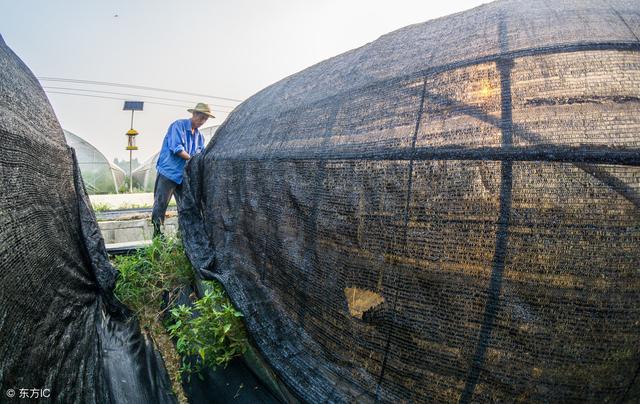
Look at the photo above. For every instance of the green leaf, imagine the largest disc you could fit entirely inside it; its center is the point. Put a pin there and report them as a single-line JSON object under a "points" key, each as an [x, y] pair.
{"points": [[215, 337]]}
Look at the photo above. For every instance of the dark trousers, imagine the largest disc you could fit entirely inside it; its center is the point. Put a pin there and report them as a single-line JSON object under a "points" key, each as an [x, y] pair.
{"points": [[162, 191]]}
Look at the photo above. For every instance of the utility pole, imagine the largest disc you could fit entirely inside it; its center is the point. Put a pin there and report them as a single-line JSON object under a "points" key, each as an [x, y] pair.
{"points": [[131, 134]]}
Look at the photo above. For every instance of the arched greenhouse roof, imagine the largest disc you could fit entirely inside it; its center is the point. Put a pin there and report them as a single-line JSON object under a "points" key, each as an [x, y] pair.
{"points": [[99, 175]]}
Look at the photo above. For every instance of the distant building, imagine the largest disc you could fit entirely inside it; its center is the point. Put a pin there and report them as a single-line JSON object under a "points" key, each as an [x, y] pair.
{"points": [[99, 175]]}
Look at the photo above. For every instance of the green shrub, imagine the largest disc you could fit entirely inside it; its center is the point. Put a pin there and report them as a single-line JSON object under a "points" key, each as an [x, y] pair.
{"points": [[124, 187], [100, 207], [146, 275], [131, 205], [213, 337]]}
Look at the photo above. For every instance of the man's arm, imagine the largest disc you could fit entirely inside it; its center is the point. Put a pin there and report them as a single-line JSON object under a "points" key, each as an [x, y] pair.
{"points": [[175, 141], [183, 154]]}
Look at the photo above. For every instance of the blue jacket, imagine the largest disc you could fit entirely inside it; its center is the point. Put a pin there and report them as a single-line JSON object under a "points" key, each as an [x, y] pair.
{"points": [[178, 138]]}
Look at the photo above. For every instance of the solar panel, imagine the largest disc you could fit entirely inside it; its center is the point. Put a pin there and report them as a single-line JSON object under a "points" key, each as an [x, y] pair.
{"points": [[133, 106]]}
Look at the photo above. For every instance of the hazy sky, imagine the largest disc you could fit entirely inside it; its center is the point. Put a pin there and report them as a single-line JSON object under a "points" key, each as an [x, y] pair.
{"points": [[229, 49]]}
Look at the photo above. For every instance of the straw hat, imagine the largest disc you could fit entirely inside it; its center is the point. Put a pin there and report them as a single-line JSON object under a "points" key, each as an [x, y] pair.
{"points": [[203, 109]]}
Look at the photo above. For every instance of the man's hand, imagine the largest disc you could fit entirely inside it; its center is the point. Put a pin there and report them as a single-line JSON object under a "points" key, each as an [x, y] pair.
{"points": [[184, 155]]}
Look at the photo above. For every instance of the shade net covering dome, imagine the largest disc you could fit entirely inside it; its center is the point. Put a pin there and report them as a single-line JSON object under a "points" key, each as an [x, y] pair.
{"points": [[449, 213], [99, 175], [62, 332]]}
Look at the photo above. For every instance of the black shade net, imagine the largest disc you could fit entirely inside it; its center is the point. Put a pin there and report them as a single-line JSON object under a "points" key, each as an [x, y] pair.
{"points": [[449, 213], [63, 336]]}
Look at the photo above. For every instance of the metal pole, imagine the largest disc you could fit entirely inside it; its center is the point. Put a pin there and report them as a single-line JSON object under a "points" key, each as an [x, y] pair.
{"points": [[130, 158], [130, 173]]}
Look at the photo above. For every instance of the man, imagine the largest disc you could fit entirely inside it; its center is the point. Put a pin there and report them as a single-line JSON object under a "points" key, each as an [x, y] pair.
{"points": [[183, 140]]}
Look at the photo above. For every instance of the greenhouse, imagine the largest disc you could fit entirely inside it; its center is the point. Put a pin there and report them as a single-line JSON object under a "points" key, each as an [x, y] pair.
{"points": [[99, 175], [144, 177]]}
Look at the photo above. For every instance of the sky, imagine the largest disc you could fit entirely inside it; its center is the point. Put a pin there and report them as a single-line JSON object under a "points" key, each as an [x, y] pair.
{"points": [[226, 49]]}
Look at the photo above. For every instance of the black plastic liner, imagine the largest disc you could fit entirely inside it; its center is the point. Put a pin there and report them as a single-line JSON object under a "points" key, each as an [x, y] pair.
{"points": [[62, 332], [449, 213]]}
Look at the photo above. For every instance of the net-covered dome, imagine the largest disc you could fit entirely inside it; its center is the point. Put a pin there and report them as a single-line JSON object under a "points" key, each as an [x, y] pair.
{"points": [[100, 176], [61, 330], [449, 213]]}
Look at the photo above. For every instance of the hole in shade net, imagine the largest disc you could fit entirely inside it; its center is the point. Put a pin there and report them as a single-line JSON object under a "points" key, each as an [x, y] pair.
{"points": [[361, 300]]}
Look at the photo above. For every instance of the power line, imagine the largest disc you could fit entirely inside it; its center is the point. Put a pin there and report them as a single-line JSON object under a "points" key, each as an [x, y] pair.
{"points": [[122, 99], [113, 98], [128, 95], [106, 83]]}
